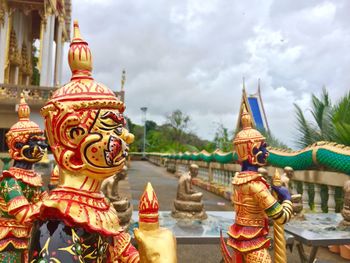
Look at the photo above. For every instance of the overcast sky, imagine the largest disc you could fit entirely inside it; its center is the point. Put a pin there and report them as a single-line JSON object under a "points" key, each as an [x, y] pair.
{"points": [[192, 55]]}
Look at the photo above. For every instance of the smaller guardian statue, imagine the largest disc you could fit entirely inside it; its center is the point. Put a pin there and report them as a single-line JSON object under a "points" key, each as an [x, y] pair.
{"points": [[253, 202], [21, 187]]}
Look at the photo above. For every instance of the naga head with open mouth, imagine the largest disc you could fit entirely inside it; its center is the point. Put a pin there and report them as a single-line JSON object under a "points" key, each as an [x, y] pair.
{"points": [[84, 120]]}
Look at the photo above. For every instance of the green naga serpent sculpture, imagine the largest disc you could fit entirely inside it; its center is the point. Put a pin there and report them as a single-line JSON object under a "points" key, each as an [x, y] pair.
{"points": [[329, 155]]}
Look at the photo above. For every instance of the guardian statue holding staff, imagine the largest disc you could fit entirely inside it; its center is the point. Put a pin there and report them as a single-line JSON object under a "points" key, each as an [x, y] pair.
{"points": [[254, 203]]}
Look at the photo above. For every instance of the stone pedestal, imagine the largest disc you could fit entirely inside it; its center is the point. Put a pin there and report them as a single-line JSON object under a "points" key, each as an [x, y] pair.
{"points": [[124, 211], [297, 206], [121, 204], [188, 210], [345, 212]]}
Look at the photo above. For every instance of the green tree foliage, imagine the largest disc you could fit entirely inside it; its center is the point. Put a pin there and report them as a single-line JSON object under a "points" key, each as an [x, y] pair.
{"points": [[178, 121], [36, 74], [341, 120], [221, 139], [272, 141], [330, 122], [169, 137]]}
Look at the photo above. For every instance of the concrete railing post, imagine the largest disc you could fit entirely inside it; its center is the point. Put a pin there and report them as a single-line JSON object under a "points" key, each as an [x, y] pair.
{"points": [[305, 196], [331, 201], [317, 199]]}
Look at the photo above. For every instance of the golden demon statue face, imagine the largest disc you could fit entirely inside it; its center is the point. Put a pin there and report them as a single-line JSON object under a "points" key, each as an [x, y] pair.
{"points": [[25, 138], [249, 143], [103, 146], [84, 120]]}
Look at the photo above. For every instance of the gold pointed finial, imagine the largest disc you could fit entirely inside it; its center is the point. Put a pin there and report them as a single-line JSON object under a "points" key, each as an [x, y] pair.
{"points": [[76, 32], [246, 120], [276, 179], [243, 80], [23, 109], [123, 79], [79, 55], [148, 206]]}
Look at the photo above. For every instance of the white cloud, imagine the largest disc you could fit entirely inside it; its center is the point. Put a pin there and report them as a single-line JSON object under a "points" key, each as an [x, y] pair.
{"points": [[193, 54]]}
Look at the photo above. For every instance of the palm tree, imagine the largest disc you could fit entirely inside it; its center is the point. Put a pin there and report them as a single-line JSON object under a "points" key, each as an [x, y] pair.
{"points": [[321, 128], [341, 120]]}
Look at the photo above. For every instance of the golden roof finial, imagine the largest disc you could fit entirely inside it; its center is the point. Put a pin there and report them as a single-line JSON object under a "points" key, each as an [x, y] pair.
{"points": [[23, 109], [123, 79], [246, 120], [243, 79], [79, 55]]}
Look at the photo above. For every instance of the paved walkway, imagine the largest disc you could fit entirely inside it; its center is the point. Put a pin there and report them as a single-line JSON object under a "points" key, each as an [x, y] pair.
{"points": [[165, 185]]}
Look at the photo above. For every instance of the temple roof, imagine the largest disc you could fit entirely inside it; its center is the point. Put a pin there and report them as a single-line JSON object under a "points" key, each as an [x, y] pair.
{"points": [[253, 103], [61, 8]]}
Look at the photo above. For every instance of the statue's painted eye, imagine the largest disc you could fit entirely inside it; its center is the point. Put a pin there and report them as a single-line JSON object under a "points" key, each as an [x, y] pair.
{"points": [[19, 145], [76, 132], [119, 130], [116, 117]]}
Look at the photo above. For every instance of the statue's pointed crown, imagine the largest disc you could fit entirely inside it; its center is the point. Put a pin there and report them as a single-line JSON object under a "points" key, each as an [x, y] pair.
{"points": [[20, 131], [247, 133], [246, 119], [79, 55], [82, 91], [148, 206], [23, 109], [24, 124]]}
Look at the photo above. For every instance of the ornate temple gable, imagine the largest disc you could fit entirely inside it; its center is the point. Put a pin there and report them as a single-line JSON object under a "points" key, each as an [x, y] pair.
{"points": [[60, 8], [3, 10], [254, 105], [26, 6], [14, 54]]}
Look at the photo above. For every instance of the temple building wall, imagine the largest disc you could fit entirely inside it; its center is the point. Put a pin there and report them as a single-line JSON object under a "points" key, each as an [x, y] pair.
{"points": [[4, 24], [23, 23]]}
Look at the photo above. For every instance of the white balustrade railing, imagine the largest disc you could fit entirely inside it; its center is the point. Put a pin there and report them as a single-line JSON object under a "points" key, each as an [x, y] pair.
{"points": [[203, 173], [331, 198], [321, 196]]}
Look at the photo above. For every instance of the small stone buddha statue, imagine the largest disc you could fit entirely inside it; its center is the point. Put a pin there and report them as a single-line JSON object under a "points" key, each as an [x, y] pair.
{"points": [[188, 202], [121, 204], [346, 208], [295, 198]]}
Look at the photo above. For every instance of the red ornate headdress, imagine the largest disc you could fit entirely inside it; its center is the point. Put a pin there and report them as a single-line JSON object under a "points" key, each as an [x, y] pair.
{"points": [[21, 130], [149, 206], [247, 139]]}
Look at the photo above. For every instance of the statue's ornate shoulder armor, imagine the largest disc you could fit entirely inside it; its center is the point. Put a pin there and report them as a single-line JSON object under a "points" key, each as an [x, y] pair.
{"points": [[245, 177], [89, 210], [54, 241], [26, 176]]}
